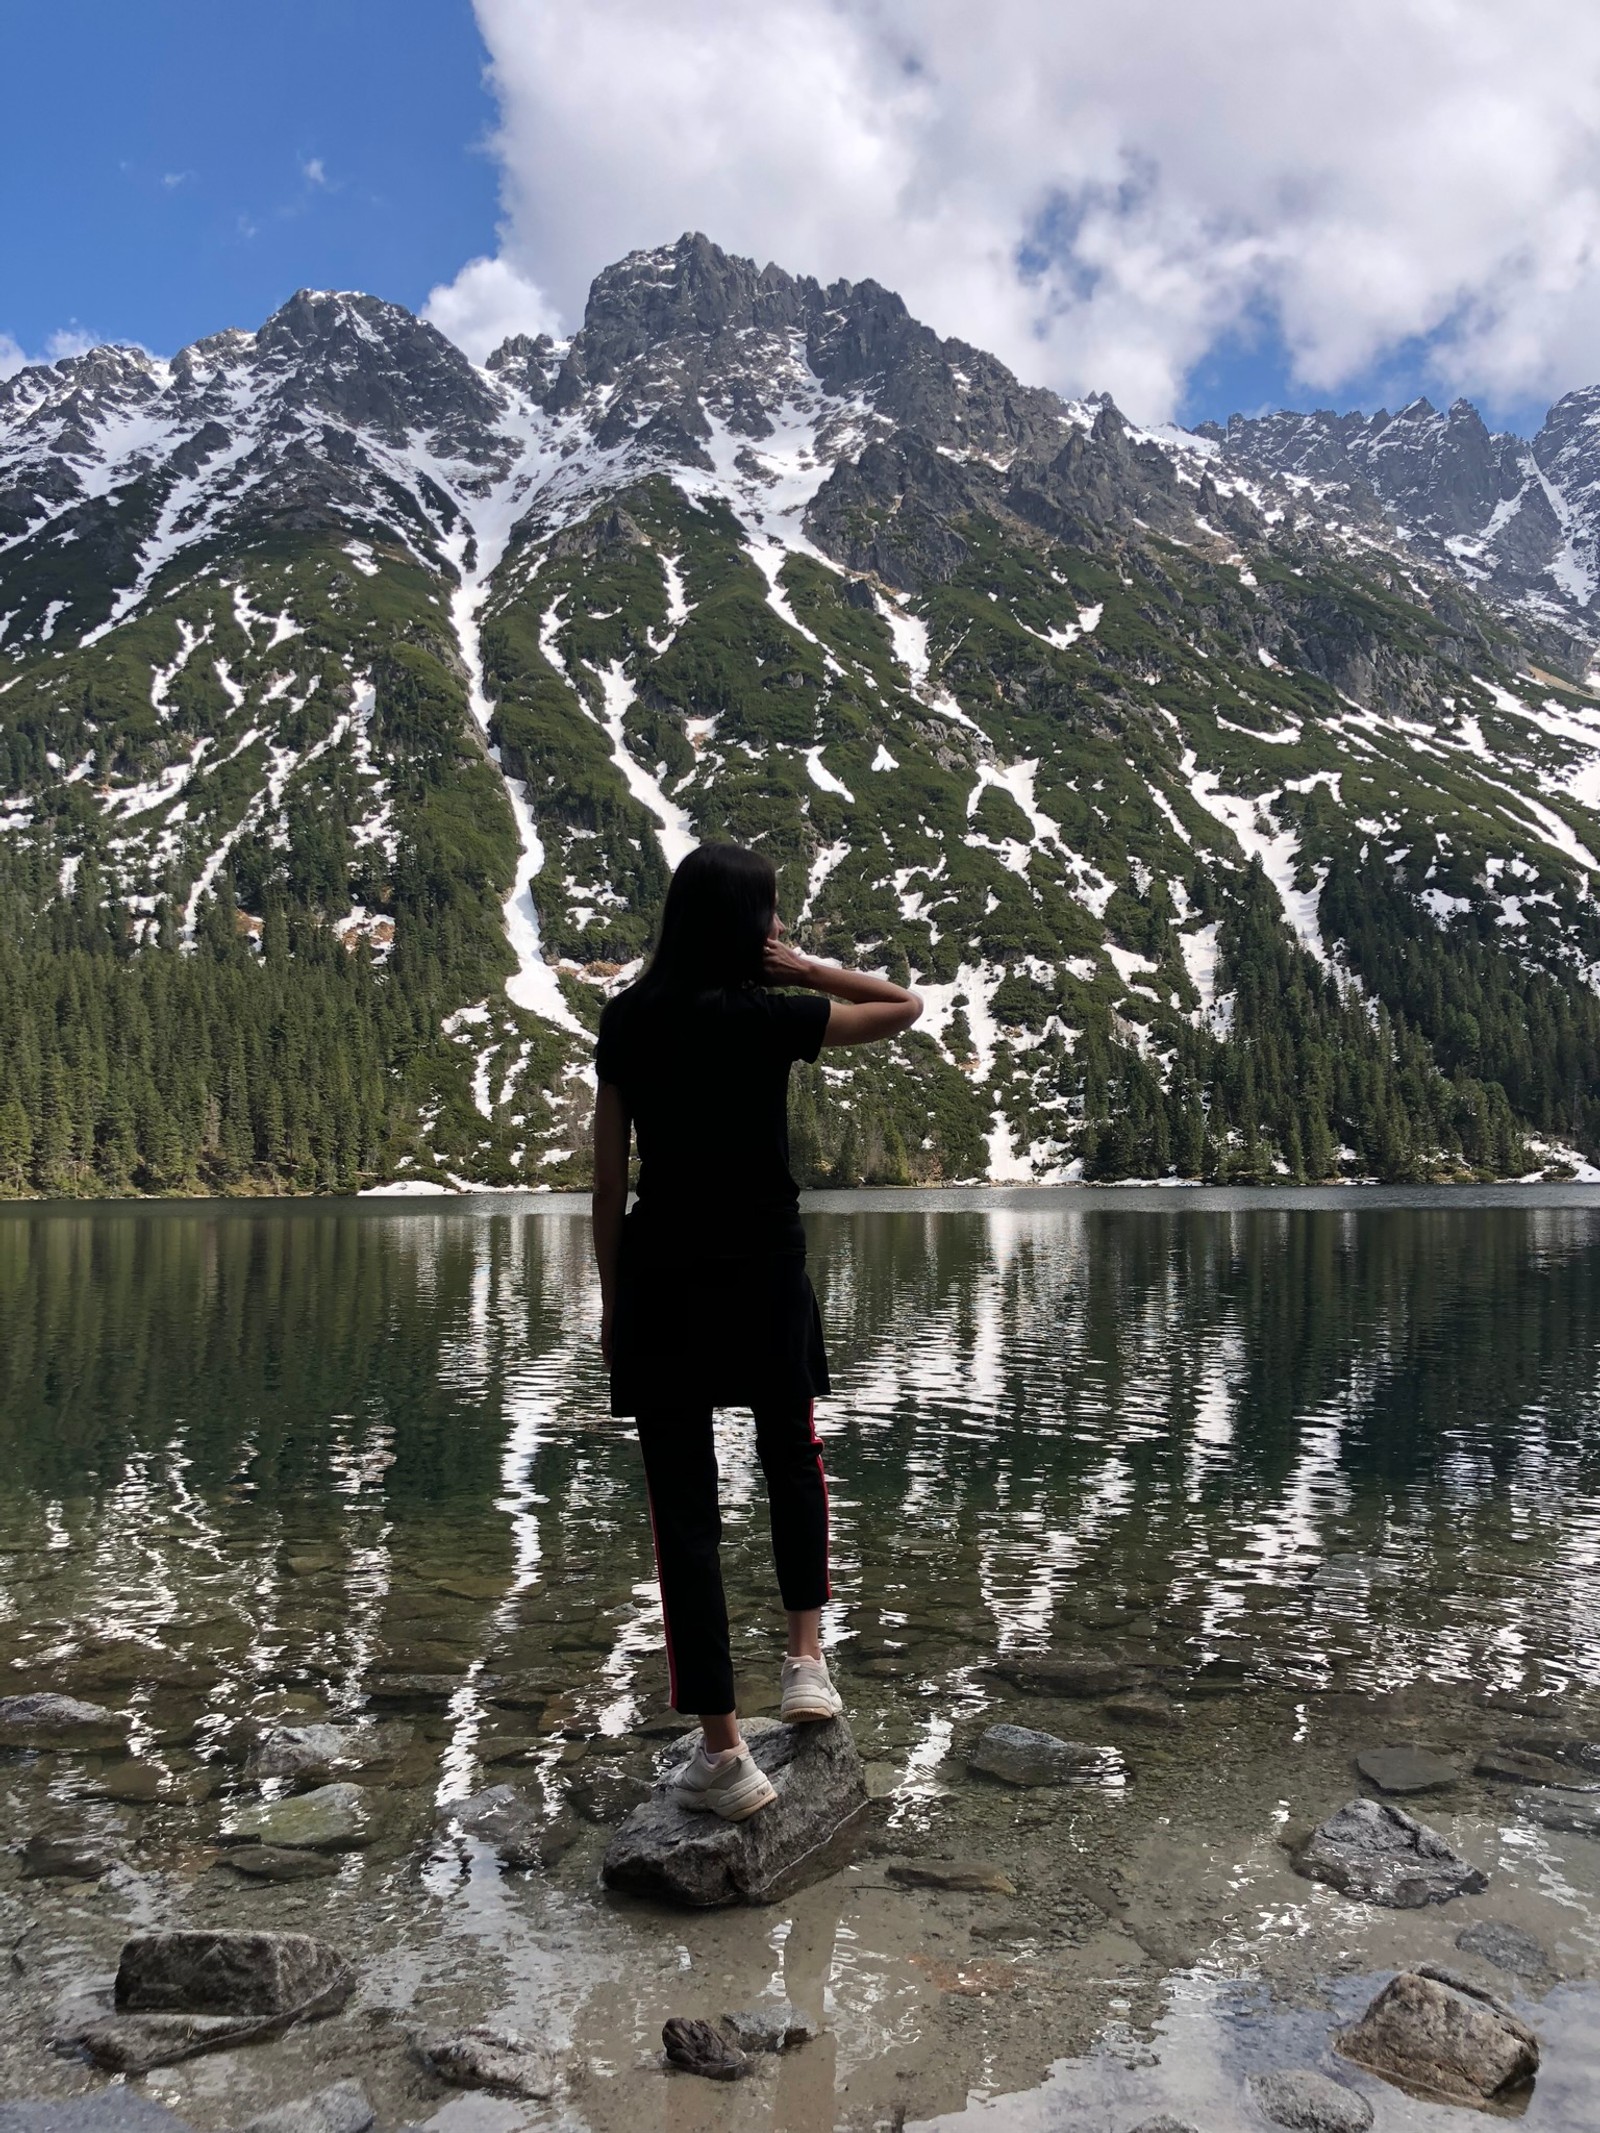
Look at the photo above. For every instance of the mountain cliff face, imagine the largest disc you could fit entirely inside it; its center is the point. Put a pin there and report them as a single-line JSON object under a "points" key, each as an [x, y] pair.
{"points": [[1233, 797]]}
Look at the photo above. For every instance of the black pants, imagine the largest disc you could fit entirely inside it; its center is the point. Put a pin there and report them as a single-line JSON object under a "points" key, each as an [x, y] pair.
{"points": [[680, 1466]]}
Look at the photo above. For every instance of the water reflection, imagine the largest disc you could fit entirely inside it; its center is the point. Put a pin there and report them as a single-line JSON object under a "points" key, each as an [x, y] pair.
{"points": [[1344, 1446]]}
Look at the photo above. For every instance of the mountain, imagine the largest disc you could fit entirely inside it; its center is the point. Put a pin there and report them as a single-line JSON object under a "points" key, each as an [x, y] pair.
{"points": [[1232, 796]]}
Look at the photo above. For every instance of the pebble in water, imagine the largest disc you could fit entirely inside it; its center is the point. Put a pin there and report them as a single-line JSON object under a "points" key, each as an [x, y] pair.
{"points": [[695, 2047], [1308, 2102], [1508, 1948], [487, 2058], [1018, 1755], [1406, 1770], [769, 2026], [341, 2108], [1377, 1853]]}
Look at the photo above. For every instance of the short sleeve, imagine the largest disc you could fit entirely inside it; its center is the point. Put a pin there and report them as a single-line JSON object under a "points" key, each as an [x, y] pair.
{"points": [[608, 1048], [799, 1022]]}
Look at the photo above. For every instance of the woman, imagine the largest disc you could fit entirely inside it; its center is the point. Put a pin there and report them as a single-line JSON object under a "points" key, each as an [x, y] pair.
{"points": [[705, 1298]]}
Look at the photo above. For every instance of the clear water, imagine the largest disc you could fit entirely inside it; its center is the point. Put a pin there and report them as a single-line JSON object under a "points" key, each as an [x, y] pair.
{"points": [[1329, 1459]]}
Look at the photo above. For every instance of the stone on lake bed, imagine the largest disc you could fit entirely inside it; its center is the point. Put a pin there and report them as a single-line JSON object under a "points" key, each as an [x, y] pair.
{"points": [[769, 2026], [1308, 2102], [1146, 1707], [316, 1752], [1433, 2031], [1516, 1766], [676, 1855], [1085, 1678], [47, 1858], [1572, 1813], [484, 2057], [228, 1973], [1404, 1770], [277, 1862], [343, 2107], [1508, 1948], [695, 2047], [109, 2110], [500, 1816], [1377, 1853], [45, 1720], [1020, 1756], [962, 1877], [334, 1818]]}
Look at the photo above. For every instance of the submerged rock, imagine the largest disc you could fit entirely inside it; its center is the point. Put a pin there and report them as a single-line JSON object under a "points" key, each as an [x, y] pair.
{"points": [[1508, 1948], [341, 2108], [1146, 1707], [667, 1851], [965, 1877], [503, 1817], [112, 2110], [222, 1973], [1020, 1756], [1406, 1770], [1309, 2102], [1575, 1812], [487, 2058], [46, 1858], [1378, 1853], [1515, 1766], [1431, 2030], [694, 2047], [769, 2026], [315, 1753], [1085, 1678], [278, 1862], [45, 1720], [606, 1796], [334, 1818]]}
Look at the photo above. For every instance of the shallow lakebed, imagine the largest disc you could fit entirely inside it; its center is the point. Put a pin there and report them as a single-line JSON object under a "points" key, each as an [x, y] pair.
{"points": [[1293, 1476]]}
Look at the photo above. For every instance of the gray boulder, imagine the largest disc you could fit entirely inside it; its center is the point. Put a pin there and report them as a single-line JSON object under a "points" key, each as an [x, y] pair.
{"points": [[1406, 1770], [669, 1852], [1433, 2031], [1018, 1755], [342, 2108], [1309, 2102], [221, 1973], [487, 2058], [45, 1720], [1378, 1854], [333, 1818]]}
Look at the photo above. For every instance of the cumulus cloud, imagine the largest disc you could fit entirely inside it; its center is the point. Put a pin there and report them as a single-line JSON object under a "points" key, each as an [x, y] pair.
{"points": [[488, 301], [1101, 195], [65, 341]]}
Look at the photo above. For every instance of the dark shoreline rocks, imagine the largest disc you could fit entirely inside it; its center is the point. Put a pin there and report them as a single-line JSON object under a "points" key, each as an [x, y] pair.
{"points": [[678, 1856], [1377, 1853]]}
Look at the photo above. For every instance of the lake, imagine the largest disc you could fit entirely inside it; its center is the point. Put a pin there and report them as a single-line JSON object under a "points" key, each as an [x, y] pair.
{"points": [[1319, 1470]]}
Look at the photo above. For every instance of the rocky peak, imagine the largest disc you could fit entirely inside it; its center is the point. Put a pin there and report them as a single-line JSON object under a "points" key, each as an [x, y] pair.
{"points": [[691, 287]]}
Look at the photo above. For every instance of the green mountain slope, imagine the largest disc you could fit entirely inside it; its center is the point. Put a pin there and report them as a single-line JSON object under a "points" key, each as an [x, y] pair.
{"points": [[355, 703]]}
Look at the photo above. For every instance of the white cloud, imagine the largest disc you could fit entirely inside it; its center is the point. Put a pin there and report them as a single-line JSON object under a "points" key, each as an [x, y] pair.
{"points": [[65, 341], [486, 303], [1098, 194], [314, 171]]}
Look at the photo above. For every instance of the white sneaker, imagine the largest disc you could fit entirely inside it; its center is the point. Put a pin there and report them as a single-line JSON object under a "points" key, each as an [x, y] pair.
{"points": [[734, 1789], [808, 1692]]}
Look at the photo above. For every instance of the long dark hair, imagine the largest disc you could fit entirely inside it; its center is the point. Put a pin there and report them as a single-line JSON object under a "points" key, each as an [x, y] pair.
{"points": [[718, 913]]}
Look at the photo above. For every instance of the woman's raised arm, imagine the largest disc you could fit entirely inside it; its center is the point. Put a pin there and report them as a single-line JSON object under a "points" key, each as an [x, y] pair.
{"points": [[866, 1010], [609, 1200]]}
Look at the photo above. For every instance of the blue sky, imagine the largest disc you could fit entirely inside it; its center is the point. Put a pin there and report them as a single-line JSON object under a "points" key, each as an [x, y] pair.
{"points": [[171, 167]]}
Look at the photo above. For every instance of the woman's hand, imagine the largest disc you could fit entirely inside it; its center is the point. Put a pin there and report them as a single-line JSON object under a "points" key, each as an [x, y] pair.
{"points": [[780, 965]]}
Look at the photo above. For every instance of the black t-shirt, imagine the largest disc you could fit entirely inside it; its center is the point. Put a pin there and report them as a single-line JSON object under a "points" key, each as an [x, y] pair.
{"points": [[706, 1083]]}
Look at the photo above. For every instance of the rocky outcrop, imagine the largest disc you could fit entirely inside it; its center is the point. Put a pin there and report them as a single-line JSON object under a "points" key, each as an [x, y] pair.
{"points": [[665, 1851], [1431, 2031], [1375, 1852]]}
